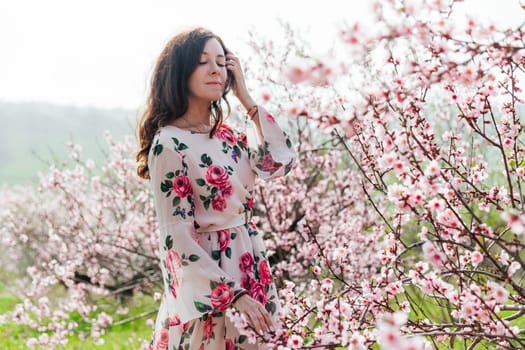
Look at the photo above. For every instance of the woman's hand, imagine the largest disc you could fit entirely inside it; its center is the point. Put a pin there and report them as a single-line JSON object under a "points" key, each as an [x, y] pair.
{"points": [[256, 314], [239, 88]]}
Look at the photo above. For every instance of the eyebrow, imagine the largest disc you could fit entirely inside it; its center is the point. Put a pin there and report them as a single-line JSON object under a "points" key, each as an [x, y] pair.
{"points": [[205, 53]]}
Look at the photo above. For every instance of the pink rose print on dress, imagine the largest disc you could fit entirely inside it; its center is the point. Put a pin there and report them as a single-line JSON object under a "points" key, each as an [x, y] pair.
{"points": [[161, 339], [174, 321], [247, 281], [182, 186], [208, 327], [227, 190], [229, 344], [218, 203], [217, 176], [173, 288], [224, 239], [269, 165], [264, 273], [185, 327], [173, 265], [246, 263], [243, 139], [221, 296], [270, 118], [225, 133], [257, 292]]}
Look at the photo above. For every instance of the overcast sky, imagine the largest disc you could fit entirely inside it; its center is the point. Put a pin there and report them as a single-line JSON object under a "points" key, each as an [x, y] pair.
{"points": [[101, 52]]}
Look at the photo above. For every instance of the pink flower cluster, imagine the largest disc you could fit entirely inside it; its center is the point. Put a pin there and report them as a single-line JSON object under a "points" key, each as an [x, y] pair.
{"points": [[400, 225], [428, 211]]}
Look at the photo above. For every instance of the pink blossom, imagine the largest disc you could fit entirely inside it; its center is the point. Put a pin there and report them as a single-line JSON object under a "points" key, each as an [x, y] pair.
{"points": [[422, 267], [327, 285], [295, 342], [436, 204], [515, 220], [476, 258], [266, 96], [432, 255], [389, 338], [369, 211], [104, 319], [497, 292], [478, 176], [387, 160], [297, 75], [357, 342], [513, 267]]}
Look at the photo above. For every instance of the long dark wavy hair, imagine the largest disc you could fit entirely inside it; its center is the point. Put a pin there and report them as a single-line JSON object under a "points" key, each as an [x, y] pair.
{"points": [[168, 97]]}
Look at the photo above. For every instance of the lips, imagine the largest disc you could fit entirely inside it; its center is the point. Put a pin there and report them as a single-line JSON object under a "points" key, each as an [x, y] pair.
{"points": [[218, 83]]}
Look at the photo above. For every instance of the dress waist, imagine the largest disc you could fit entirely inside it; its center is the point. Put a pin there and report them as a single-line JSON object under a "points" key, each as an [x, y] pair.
{"points": [[238, 220]]}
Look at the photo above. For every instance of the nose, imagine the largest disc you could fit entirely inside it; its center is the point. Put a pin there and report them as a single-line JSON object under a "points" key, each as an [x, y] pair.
{"points": [[214, 68]]}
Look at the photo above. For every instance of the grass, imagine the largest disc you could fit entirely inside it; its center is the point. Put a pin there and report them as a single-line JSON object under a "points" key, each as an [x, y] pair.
{"points": [[129, 335]]}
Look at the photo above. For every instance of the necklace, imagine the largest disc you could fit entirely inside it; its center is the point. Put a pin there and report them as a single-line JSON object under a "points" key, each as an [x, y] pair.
{"points": [[196, 128]]}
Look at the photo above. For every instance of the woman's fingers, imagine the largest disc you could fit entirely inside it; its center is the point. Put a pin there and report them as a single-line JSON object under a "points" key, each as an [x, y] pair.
{"points": [[257, 316], [261, 321], [231, 56], [253, 320], [234, 65], [268, 321], [232, 61]]}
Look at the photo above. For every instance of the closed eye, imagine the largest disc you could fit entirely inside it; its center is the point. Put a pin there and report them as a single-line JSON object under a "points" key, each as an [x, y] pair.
{"points": [[219, 64]]}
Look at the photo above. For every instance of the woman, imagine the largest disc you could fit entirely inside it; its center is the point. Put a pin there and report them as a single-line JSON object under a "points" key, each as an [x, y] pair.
{"points": [[202, 175]]}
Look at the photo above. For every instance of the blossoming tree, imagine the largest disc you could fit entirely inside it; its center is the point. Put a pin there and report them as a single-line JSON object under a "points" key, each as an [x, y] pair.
{"points": [[429, 110], [401, 225]]}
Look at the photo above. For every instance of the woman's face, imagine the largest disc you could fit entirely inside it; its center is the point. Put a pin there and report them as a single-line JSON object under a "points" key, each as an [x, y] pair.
{"points": [[207, 81]]}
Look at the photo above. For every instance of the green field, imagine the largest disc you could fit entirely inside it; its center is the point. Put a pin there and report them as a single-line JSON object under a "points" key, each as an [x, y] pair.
{"points": [[128, 335]]}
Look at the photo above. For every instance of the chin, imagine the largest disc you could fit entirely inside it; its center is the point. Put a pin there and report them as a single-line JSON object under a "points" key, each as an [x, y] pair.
{"points": [[215, 97], [209, 96]]}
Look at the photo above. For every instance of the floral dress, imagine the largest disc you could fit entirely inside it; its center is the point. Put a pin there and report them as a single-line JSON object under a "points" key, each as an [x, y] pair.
{"points": [[209, 250]]}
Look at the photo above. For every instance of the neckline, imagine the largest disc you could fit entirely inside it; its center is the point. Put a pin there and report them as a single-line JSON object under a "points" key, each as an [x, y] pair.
{"points": [[186, 130]]}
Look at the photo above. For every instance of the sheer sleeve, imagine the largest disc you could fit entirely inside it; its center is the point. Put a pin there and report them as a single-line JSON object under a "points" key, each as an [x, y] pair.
{"points": [[271, 151], [194, 284]]}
